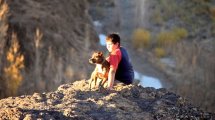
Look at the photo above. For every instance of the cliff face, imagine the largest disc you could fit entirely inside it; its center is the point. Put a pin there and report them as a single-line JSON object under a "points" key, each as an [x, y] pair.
{"points": [[58, 53], [75, 101]]}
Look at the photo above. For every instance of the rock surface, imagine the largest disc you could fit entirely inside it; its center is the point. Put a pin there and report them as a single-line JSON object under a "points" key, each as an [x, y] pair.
{"points": [[76, 101]]}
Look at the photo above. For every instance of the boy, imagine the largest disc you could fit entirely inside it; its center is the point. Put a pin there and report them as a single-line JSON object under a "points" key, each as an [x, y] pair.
{"points": [[120, 65]]}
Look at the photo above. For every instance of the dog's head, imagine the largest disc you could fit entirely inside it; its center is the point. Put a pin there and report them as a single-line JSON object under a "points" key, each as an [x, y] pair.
{"points": [[97, 58]]}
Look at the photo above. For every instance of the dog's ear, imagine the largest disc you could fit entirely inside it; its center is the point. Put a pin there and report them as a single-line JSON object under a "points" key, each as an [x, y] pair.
{"points": [[100, 53]]}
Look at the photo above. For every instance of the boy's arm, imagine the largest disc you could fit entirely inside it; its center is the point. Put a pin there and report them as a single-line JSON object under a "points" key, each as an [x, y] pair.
{"points": [[111, 77]]}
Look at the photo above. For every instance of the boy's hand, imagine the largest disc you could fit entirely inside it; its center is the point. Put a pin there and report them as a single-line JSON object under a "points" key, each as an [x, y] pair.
{"points": [[110, 88]]}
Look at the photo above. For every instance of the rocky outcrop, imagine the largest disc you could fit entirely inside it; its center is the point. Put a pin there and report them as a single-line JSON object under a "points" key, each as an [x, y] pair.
{"points": [[76, 101]]}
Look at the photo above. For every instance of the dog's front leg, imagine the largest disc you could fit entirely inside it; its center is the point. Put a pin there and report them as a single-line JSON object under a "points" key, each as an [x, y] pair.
{"points": [[93, 81], [92, 77], [90, 82]]}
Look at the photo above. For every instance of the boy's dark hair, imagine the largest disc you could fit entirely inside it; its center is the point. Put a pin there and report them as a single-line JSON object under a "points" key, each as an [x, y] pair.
{"points": [[114, 38]]}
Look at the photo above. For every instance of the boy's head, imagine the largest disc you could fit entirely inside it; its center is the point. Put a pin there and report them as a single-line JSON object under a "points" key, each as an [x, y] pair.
{"points": [[112, 42], [114, 38]]}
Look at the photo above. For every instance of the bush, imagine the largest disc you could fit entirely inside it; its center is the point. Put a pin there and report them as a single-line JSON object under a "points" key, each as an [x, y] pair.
{"points": [[159, 52], [166, 39], [180, 33], [141, 38]]}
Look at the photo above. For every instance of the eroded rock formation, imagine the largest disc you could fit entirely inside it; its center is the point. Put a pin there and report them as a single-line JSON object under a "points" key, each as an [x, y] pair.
{"points": [[75, 101]]}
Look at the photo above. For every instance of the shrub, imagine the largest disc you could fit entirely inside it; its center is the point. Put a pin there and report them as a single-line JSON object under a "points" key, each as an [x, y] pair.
{"points": [[180, 33], [166, 39], [159, 52], [141, 38]]}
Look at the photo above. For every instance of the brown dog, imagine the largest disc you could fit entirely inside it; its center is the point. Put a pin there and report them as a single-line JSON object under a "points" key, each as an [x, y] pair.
{"points": [[101, 70]]}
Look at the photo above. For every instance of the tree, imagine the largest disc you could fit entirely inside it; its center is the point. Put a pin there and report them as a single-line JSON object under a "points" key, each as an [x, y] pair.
{"points": [[14, 64], [3, 32]]}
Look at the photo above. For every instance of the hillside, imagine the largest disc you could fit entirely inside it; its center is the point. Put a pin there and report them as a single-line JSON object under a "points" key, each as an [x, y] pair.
{"points": [[192, 54], [75, 101], [55, 39]]}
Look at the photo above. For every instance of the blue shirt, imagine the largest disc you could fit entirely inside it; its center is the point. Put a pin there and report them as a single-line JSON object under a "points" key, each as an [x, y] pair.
{"points": [[125, 72]]}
